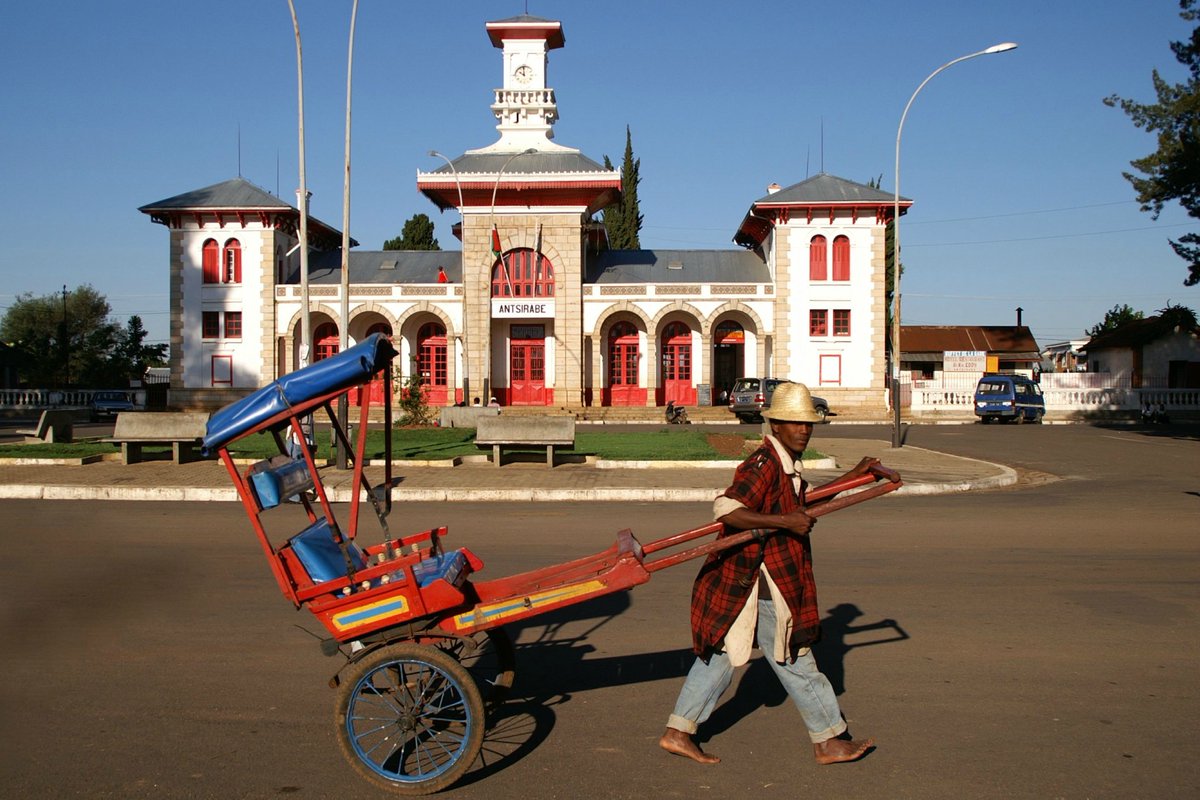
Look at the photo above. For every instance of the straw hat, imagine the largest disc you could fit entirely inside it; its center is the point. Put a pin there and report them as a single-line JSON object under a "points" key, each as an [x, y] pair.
{"points": [[792, 402]]}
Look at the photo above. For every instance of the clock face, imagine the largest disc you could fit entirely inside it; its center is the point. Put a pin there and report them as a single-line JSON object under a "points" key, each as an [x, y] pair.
{"points": [[523, 74]]}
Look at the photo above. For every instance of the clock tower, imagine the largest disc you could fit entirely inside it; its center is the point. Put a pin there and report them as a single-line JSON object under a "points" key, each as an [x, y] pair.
{"points": [[524, 106]]}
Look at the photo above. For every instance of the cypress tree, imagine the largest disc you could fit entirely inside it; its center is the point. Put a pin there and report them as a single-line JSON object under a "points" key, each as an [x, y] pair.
{"points": [[622, 220]]}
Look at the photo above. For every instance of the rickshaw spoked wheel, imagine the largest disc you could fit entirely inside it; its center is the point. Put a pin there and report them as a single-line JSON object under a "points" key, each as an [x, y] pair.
{"points": [[409, 718]]}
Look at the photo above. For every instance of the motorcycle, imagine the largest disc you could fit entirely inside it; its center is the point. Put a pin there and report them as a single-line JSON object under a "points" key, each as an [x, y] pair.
{"points": [[676, 415]]}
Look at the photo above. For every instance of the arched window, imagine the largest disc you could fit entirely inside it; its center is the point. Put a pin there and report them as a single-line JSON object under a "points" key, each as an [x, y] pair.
{"points": [[841, 258], [231, 263], [211, 262], [523, 273], [818, 269], [325, 341]]}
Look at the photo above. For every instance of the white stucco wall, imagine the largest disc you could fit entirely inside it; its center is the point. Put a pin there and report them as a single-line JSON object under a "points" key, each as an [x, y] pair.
{"points": [[855, 350], [245, 353]]}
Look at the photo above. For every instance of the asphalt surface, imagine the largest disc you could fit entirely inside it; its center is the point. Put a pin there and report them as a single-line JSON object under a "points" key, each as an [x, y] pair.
{"points": [[1032, 641]]}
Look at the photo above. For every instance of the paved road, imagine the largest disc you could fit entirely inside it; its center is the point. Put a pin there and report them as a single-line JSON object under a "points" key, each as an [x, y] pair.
{"points": [[1051, 646]]}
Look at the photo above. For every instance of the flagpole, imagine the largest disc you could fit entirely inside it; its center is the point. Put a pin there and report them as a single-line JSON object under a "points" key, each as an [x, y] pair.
{"points": [[496, 253]]}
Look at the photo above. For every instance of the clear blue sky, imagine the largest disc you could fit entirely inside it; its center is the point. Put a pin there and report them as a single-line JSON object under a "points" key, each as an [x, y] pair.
{"points": [[1012, 161]]}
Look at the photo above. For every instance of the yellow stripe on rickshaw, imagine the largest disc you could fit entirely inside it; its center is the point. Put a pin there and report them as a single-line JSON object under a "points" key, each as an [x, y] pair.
{"points": [[494, 612]]}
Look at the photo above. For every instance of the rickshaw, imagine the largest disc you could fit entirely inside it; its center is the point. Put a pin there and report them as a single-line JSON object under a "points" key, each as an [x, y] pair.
{"points": [[424, 648]]}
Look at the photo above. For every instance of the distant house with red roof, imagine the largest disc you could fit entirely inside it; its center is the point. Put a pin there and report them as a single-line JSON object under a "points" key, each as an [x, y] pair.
{"points": [[1006, 348]]}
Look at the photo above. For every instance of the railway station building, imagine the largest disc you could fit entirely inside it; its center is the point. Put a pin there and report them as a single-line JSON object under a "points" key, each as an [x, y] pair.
{"points": [[536, 309]]}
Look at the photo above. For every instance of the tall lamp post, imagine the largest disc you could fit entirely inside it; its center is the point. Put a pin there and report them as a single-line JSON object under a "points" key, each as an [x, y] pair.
{"points": [[341, 457], [487, 362], [302, 196], [895, 393], [462, 217]]}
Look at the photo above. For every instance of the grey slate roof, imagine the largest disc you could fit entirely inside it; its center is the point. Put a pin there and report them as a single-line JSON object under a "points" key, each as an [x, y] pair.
{"points": [[522, 18], [676, 266], [383, 266], [238, 193], [825, 188], [534, 163]]}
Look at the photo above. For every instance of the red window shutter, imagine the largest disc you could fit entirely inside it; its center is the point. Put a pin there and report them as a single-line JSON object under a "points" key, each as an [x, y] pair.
{"points": [[233, 262], [841, 258], [817, 269], [211, 262]]}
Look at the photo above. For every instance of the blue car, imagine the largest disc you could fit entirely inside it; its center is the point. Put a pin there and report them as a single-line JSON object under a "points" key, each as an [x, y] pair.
{"points": [[108, 404], [1009, 398]]}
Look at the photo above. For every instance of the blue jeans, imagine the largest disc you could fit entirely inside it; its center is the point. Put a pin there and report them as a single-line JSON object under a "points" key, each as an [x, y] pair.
{"points": [[809, 689]]}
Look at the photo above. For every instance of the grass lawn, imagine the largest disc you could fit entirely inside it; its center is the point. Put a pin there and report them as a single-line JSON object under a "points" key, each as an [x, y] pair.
{"points": [[59, 450], [437, 443], [653, 444]]}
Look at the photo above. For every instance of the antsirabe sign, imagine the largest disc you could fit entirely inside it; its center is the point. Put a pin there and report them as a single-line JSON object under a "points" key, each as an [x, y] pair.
{"points": [[509, 309]]}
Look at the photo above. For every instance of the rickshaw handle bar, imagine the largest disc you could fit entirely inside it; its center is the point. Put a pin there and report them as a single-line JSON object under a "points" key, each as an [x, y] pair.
{"points": [[739, 539]]}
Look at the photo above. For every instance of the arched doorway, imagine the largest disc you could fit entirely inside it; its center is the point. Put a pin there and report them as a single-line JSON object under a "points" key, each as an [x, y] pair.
{"points": [[431, 362], [624, 355], [677, 365], [729, 360]]}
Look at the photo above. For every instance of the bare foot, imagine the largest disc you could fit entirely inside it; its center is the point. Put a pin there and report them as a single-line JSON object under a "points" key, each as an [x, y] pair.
{"points": [[838, 751], [679, 743]]}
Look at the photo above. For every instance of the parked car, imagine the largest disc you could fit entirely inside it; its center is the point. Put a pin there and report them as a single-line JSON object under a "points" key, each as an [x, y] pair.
{"points": [[749, 396], [1011, 398], [108, 404]]}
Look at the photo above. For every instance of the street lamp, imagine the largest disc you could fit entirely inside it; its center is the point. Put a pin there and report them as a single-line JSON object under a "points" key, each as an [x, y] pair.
{"points": [[895, 393], [462, 217], [302, 195], [487, 353]]}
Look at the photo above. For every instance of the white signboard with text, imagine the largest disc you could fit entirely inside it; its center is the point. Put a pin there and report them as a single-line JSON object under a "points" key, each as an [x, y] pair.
{"points": [[964, 361], [516, 308]]}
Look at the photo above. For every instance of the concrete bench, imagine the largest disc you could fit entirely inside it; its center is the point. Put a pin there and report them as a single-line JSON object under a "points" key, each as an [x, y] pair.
{"points": [[53, 426], [181, 430], [525, 433]]}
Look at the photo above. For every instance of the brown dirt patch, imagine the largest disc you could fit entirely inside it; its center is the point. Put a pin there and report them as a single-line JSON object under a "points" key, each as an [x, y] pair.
{"points": [[730, 445]]}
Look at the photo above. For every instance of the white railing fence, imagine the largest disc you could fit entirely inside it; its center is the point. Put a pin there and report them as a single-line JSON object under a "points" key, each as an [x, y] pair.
{"points": [[30, 399], [1065, 393]]}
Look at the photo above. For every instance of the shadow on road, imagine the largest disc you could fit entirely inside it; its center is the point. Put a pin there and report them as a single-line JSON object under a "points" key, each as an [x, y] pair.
{"points": [[552, 667]]}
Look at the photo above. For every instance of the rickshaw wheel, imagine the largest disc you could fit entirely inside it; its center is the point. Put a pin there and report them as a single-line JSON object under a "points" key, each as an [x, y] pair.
{"points": [[490, 658], [409, 719]]}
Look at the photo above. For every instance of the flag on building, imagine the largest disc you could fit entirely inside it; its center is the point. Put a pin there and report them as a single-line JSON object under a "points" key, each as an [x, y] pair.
{"points": [[495, 241]]}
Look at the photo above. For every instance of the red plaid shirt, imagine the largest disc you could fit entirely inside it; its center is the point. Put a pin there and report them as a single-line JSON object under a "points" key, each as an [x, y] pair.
{"points": [[726, 578]]}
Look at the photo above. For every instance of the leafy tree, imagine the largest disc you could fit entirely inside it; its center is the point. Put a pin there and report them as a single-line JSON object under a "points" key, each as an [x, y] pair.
{"points": [[1114, 318], [1178, 316], [416, 235], [131, 355], [622, 220], [1173, 171], [413, 400], [59, 339]]}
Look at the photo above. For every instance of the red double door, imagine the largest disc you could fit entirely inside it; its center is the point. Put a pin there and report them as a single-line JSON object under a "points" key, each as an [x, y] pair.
{"points": [[677, 366], [527, 372]]}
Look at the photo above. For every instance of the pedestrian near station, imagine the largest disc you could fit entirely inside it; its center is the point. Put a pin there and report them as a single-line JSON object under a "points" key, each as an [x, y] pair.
{"points": [[766, 588]]}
